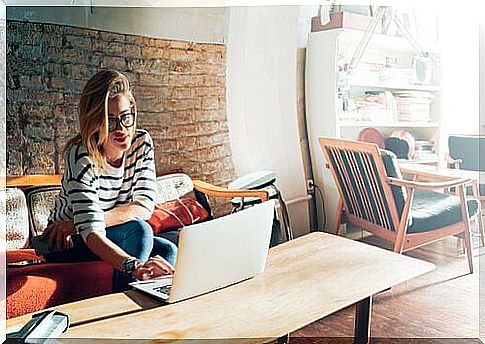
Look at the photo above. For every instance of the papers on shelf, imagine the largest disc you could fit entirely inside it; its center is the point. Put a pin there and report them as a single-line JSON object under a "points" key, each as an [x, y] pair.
{"points": [[413, 105], [401, 106]]}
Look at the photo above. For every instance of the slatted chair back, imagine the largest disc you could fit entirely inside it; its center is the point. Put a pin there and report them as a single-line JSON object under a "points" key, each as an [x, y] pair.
{"points": [[361, 180]]}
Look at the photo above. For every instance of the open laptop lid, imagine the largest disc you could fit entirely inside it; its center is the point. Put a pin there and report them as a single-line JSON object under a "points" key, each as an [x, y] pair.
{"points": [[223, 251]]}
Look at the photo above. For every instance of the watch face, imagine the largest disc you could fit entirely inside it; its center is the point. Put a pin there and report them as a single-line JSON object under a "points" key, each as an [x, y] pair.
{"points": [[129, 265]]}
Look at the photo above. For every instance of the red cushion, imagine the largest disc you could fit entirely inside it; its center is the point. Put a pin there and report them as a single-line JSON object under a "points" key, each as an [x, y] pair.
{"points": [[36, 287], [176, 214], [22, 255]]}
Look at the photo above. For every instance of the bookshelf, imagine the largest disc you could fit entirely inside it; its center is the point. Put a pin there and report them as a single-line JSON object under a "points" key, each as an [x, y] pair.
{"points": [[386, 68]]}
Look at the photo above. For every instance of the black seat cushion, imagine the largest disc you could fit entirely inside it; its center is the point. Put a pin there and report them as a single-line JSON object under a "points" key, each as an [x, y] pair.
{"points": [[434, 210], [392, 170]]}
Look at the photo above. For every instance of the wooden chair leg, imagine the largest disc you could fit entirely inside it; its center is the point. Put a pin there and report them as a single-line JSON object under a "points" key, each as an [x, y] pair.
{"points": [[466, 222], [338, 217], [403, 224], [481, 229]]}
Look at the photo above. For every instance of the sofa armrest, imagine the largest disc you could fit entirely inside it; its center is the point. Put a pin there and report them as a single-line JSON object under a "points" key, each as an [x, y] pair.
{"points": [[34, 180], [212, 190], [22, 255]]}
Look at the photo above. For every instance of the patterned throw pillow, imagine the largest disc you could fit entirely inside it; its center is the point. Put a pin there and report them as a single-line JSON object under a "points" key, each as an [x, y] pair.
{"points": [[17, 218], [40, 201], [173, 186]]}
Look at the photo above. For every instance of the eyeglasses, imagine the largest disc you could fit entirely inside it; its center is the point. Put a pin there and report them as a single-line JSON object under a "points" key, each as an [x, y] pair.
{"points": [[127, 120]]}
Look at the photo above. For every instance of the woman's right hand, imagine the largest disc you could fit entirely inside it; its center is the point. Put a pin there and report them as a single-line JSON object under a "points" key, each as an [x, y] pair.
{"points": [[154, 267], [59, 235]]}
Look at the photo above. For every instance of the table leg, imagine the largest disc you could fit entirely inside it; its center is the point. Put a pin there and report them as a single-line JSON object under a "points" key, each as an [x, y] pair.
{"points": [[363, 311], [284, 339]]}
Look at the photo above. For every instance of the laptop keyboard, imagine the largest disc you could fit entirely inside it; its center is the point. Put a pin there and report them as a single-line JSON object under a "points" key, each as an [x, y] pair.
{"points": [[163, 290]]}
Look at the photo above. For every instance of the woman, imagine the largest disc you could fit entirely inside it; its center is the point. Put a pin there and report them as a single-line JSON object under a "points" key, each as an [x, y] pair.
{"points": [[109, 188]]}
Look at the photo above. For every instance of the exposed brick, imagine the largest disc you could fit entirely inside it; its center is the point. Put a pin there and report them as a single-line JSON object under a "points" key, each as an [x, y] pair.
{"points": [[77, 31], [154, 42], [153, 79], [175, 79], [56, 83], [131, 51], [181, 104], [150, 91], [151, 52], [179, 87], [182, 45], [114, 48], [54, 53], [180, 66], [213, 80], [210, 103], [151, 104], [82, 71], [154, 66], [182, 93], [54, 98], [182, 55], [81, 42], [181, 117], [110, 36], [209, 68], [113, 62], [210, 115]]}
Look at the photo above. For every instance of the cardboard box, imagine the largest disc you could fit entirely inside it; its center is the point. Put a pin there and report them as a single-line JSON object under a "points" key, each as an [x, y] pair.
{"points": [[342, 20]]}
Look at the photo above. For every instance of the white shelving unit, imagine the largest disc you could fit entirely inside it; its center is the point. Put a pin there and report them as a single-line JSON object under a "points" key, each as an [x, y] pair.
{"points": [[326, 51]]}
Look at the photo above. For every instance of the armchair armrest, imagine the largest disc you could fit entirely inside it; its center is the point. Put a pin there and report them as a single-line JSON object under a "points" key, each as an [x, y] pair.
{"points": [[453, 163], [428, 185], [212, 190]]}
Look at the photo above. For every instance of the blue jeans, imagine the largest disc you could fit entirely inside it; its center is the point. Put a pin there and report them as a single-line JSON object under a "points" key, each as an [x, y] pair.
{"points": [[135, 237]]}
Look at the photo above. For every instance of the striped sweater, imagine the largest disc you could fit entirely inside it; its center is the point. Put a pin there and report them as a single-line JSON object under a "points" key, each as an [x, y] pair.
{"points": [[87, 193]]}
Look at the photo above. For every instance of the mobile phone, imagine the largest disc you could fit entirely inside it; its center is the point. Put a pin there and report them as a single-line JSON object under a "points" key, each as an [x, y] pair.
{"points": [[41, 246]]}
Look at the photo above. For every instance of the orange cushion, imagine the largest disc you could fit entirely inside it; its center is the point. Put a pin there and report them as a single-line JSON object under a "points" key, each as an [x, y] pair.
{"points": [[22, 255], [176, 214]]}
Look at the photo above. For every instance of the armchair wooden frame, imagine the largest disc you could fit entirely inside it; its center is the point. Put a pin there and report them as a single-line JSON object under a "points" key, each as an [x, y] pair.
{"points": [[357, 167]]}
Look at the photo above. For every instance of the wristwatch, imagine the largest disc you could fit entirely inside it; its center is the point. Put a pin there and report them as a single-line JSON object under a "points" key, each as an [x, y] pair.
{"points": [[129, 265]]}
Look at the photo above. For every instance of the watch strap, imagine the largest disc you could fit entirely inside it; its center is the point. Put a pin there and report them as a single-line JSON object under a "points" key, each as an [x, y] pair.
{"points": [[129, 265]]}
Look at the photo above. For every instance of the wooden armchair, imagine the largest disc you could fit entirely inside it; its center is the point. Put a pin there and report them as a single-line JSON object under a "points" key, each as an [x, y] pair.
{"points": [[464, 153], [408, 213]]}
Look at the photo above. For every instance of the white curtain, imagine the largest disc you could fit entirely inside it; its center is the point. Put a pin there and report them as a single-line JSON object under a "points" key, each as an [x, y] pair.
{"points": [[261, 97]]}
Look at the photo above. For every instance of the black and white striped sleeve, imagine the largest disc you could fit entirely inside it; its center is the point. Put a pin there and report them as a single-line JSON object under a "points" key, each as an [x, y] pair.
{"points": [[82, 189], [144, 188]]}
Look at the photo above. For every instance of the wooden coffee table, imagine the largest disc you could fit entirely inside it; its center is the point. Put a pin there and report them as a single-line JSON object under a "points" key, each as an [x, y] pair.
{"points": [[305, 279]]}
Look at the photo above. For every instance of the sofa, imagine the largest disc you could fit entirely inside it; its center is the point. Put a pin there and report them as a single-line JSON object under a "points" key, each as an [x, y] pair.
{"points": [[33, 284]]}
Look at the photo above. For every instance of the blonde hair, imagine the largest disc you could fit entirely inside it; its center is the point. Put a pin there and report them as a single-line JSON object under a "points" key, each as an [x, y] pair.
{"points": [[93, 112]]}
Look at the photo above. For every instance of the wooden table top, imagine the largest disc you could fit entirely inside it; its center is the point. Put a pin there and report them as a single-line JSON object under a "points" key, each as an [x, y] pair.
{"points": [[305, 279]]}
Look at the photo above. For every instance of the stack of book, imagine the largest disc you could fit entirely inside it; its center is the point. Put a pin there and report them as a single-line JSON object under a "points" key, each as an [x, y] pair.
{"points": [[425, 150], [413, 106]]}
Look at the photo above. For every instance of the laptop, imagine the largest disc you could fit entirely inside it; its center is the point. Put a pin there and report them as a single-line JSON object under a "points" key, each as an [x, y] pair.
{"points": [[216, 254]]}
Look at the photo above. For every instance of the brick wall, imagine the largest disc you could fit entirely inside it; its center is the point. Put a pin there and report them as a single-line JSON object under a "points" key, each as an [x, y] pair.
{"points": [[179, 87]]}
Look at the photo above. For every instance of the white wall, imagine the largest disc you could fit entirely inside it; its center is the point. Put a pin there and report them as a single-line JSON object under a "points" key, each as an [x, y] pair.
{"points": [[482, 76], [261, 99], [190, 23], [458, 38]]}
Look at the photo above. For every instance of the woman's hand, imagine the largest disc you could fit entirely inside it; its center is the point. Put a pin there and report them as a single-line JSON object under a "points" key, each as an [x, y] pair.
{"points": [[154, 267], [59, 234]]}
